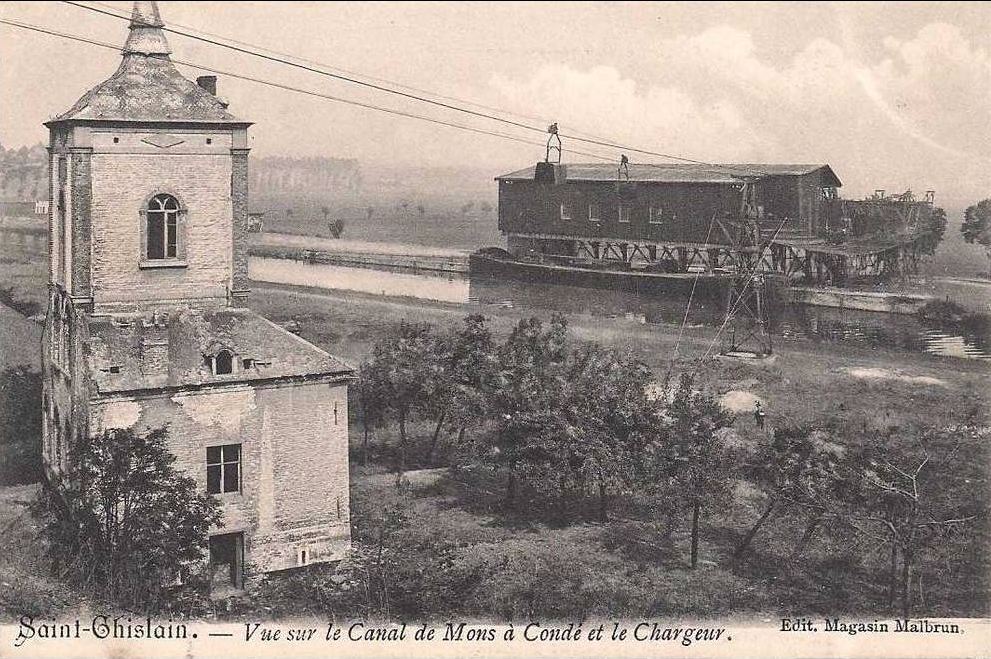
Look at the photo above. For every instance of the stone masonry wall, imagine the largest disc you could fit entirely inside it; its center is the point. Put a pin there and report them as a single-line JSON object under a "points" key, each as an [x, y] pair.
{"points": [[294, 459], [121, 186]]}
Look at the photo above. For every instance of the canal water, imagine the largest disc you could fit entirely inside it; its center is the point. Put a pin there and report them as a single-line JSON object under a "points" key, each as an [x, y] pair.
{"points": [[792, 322]]}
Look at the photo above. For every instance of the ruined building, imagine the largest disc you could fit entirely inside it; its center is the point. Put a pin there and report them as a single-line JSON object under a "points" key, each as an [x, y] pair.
{"points": [[147, 320]]}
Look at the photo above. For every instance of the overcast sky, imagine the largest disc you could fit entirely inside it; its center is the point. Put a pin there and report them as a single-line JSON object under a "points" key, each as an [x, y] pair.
{"points": [[893, 96]]}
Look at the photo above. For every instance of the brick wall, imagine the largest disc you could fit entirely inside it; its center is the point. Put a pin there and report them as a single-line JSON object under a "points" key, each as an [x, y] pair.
{"points": [[121, 186], [294, 458], [239, 197]]}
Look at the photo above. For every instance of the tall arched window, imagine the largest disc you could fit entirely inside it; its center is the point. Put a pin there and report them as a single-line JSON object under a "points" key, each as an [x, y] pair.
{"points": [[162, 230]]}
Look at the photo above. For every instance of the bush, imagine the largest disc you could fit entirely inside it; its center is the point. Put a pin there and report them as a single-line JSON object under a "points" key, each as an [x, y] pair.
{"points": [[20, 426], [124, 523]]}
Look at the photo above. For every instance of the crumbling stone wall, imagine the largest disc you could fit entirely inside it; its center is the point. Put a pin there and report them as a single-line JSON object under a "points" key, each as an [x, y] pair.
{"points": [[294, 460]]}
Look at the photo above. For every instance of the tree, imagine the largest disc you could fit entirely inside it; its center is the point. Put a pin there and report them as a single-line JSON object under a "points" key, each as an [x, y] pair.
{"points": [[607, 410], [406, 368], [692, 452], [372, 400], [896, 498], [124, 519], [797, 469], [465, 365], [976, 227], [525, 400], [931, 230]]}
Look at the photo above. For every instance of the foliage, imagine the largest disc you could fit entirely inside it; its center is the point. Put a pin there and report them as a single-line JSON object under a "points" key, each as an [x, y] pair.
{"points": [[797, 468], [897, 495], [976, 227], [20, 426], [525, 403], [124, 522], [929, 234], [403, 369], [688, 463]]}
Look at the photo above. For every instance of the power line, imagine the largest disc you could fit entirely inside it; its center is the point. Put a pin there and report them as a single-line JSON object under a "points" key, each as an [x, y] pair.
{"points": [[418, 97], [277, 85], [349, 71]]}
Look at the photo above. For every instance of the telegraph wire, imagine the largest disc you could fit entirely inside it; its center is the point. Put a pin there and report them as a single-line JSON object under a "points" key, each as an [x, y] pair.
{"points": [[349, 71], [307, 92], [418, 97]]}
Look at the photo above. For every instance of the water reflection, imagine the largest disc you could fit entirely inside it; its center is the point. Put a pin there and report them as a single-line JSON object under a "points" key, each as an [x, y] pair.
{"points": [[821, 324], [442, 288]]}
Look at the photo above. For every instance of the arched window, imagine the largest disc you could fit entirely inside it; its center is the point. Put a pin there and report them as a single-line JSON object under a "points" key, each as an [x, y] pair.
{"points": [[162, 227], [223, 363]]}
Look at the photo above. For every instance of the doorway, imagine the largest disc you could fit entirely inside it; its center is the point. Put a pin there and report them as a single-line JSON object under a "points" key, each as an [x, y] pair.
{"points": [[226, 562]]}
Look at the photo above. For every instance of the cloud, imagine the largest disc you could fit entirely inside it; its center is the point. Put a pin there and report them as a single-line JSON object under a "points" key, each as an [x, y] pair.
{"points": [[914, 117]]}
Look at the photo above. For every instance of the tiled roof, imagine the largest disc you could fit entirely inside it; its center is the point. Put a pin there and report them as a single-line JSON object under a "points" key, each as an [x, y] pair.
{"points": [[176, 351], [725, 173], [148, 88]]}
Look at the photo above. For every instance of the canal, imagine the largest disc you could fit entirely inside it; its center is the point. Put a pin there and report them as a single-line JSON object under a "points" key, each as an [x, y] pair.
{"points": [[819, 324]]}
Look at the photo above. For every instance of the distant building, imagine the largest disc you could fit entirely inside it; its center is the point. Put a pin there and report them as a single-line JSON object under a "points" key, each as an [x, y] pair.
{"points": [[678, 216], [147, 324]]}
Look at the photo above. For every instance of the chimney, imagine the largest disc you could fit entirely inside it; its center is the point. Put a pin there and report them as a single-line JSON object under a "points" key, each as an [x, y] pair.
{"points": [[209, 83]]}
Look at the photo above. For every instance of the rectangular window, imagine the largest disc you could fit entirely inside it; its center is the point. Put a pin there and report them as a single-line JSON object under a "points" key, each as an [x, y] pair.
{"points": [[223, 468], [624, 213], [594, 212], [565, 211], [656, 215]]}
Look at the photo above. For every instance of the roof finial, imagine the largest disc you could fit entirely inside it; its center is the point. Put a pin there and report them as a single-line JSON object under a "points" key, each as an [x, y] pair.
{"points": [[146, 37]]}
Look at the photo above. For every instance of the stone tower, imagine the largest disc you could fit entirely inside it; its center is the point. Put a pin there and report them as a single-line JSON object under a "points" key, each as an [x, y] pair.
{"points": [[147, 320]]}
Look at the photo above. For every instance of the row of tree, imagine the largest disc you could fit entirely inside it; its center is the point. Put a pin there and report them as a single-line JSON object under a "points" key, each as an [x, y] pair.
{"points": [[570, 419]]}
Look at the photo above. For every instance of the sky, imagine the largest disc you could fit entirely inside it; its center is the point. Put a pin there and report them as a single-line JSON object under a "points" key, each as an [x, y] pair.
{"points": [[892, 95]]}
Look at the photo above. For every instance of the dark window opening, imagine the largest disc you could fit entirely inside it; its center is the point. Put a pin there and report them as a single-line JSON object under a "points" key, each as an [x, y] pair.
{"points": [[247, 363], [223, 468], [223, 363], [162, 227], [226, 562], [209, 140], [116, 140]]}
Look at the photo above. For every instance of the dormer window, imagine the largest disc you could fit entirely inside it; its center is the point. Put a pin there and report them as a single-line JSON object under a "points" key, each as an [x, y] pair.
{"points": [[223, 363]]}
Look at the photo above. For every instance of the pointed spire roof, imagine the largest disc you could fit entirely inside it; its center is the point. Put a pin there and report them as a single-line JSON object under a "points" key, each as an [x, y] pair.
{"points": [[147, 87], [146, 36]]}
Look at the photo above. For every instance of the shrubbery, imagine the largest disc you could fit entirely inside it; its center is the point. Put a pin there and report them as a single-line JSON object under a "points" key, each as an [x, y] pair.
{"points": [[20, 426], [124, 524]]}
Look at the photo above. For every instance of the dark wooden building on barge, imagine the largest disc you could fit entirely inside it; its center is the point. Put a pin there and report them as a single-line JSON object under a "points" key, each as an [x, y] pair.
{"points": [[688, 218]]}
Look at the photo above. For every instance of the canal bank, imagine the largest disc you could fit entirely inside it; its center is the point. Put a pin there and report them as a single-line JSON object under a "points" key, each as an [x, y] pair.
{"points": [[354, 253], [397, 257], [821, 324]]}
